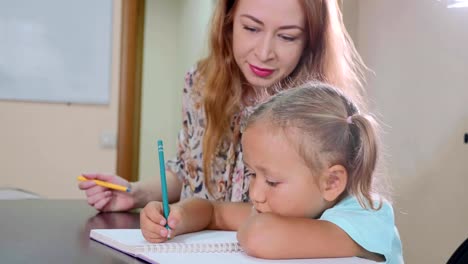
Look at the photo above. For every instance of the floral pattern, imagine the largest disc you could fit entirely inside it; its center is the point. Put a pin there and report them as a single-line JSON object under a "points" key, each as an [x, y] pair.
{"points": [[229, 181]]}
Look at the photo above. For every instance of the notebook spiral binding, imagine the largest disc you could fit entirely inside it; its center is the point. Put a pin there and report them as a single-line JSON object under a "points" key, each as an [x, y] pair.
{"points": [[193, 248]]}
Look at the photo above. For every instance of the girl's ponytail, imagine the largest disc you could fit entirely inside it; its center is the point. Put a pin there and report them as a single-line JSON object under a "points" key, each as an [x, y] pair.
{"points": [[366, 152]]}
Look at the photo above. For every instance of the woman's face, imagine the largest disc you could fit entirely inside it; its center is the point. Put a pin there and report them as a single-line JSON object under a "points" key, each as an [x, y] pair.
{"points": [[268, 39]]}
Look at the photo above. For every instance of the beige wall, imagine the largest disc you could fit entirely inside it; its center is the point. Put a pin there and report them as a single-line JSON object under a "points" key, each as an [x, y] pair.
{"points": [[175, 34], [419, 54], [44, 147]]}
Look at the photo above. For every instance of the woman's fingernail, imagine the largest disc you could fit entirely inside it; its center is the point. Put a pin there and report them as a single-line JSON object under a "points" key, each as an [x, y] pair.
{"points": [[163, 222], [163, 232], [169, 233]]}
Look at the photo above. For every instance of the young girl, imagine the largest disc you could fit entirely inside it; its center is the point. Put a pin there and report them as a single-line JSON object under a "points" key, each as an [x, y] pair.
{"points": [[312, 157]]}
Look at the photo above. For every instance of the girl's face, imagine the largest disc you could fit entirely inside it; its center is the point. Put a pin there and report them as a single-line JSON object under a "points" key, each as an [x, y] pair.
{"points": [[281, 182], [268, 39]]}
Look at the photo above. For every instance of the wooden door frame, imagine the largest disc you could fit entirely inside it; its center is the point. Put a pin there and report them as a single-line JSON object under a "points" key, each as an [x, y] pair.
{"points": [[131, 58]]}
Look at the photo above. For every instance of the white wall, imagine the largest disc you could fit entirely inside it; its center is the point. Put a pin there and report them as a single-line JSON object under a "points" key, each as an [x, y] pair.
{"points": [[44, 147], [175, 34], [418, 50]]}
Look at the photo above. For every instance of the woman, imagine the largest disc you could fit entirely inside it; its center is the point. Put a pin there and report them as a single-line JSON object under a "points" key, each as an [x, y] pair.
{"points": [[255, 47]]}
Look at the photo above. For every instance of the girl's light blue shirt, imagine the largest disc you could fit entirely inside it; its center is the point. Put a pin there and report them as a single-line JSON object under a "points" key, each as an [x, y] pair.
{"points": [[373, 230]]}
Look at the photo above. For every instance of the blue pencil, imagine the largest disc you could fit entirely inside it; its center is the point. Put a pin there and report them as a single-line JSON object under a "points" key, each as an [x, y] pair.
{"points": [[162, 169]]}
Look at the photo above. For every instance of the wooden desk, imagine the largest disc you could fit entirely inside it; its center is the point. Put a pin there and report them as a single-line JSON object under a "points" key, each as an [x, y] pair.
{"points": [[56, 231]]}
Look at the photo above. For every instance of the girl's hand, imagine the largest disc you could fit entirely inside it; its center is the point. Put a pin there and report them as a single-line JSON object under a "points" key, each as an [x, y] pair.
{"points": [[104, 199], [152, 222]]}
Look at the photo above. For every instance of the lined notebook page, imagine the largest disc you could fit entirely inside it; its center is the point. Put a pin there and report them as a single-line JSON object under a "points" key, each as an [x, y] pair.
{"points": [[132, 241]]}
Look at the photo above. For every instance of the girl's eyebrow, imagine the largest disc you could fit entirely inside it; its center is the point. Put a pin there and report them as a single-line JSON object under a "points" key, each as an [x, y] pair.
{"points": [[261, 23], [260, 168]]}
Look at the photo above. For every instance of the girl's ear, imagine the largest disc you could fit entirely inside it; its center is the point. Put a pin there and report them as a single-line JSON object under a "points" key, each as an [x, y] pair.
{"points": [[333, 182]]}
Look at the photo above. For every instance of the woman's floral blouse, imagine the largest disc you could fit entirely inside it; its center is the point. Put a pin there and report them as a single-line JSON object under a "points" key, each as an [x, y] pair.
{"points": [[230, 181]]}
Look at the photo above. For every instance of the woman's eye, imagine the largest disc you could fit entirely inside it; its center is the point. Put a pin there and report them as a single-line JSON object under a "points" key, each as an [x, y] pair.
{"points": [[250, 29], [287, 38]]}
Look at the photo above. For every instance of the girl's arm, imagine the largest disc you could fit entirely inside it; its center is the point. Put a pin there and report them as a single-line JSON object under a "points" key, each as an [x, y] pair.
{"points": [[199, 214], [276, 237]]}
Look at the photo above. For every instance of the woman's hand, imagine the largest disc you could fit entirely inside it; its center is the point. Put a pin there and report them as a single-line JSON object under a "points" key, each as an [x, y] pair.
{"points": [[152, 222], [104, 199]]}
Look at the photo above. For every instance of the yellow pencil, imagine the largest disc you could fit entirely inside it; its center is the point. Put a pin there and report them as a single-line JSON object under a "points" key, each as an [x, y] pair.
{"points": [[106, 184]]}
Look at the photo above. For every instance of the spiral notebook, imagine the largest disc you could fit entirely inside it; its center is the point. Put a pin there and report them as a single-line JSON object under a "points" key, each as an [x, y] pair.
{"points": [[205, 247], [132, 242]]}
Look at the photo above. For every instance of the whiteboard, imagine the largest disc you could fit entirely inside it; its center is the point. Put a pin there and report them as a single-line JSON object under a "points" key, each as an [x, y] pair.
{"points": [[56, 50]]}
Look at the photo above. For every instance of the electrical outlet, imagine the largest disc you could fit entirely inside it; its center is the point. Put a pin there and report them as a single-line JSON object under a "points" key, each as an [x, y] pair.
{"points": [[108, 140]]}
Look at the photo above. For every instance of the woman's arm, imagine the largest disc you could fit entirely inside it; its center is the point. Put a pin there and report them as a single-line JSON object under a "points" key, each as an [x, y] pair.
{"points": [[275, 237], [107, 200], [150, 190]]}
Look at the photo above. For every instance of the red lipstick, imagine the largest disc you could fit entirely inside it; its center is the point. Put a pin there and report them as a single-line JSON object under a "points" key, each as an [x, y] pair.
{"points": [[260, 72]]}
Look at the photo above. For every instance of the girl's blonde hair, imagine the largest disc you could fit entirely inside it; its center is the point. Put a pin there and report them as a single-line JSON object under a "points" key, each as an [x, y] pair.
{"points": [[331, 131], [329, 55]]}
